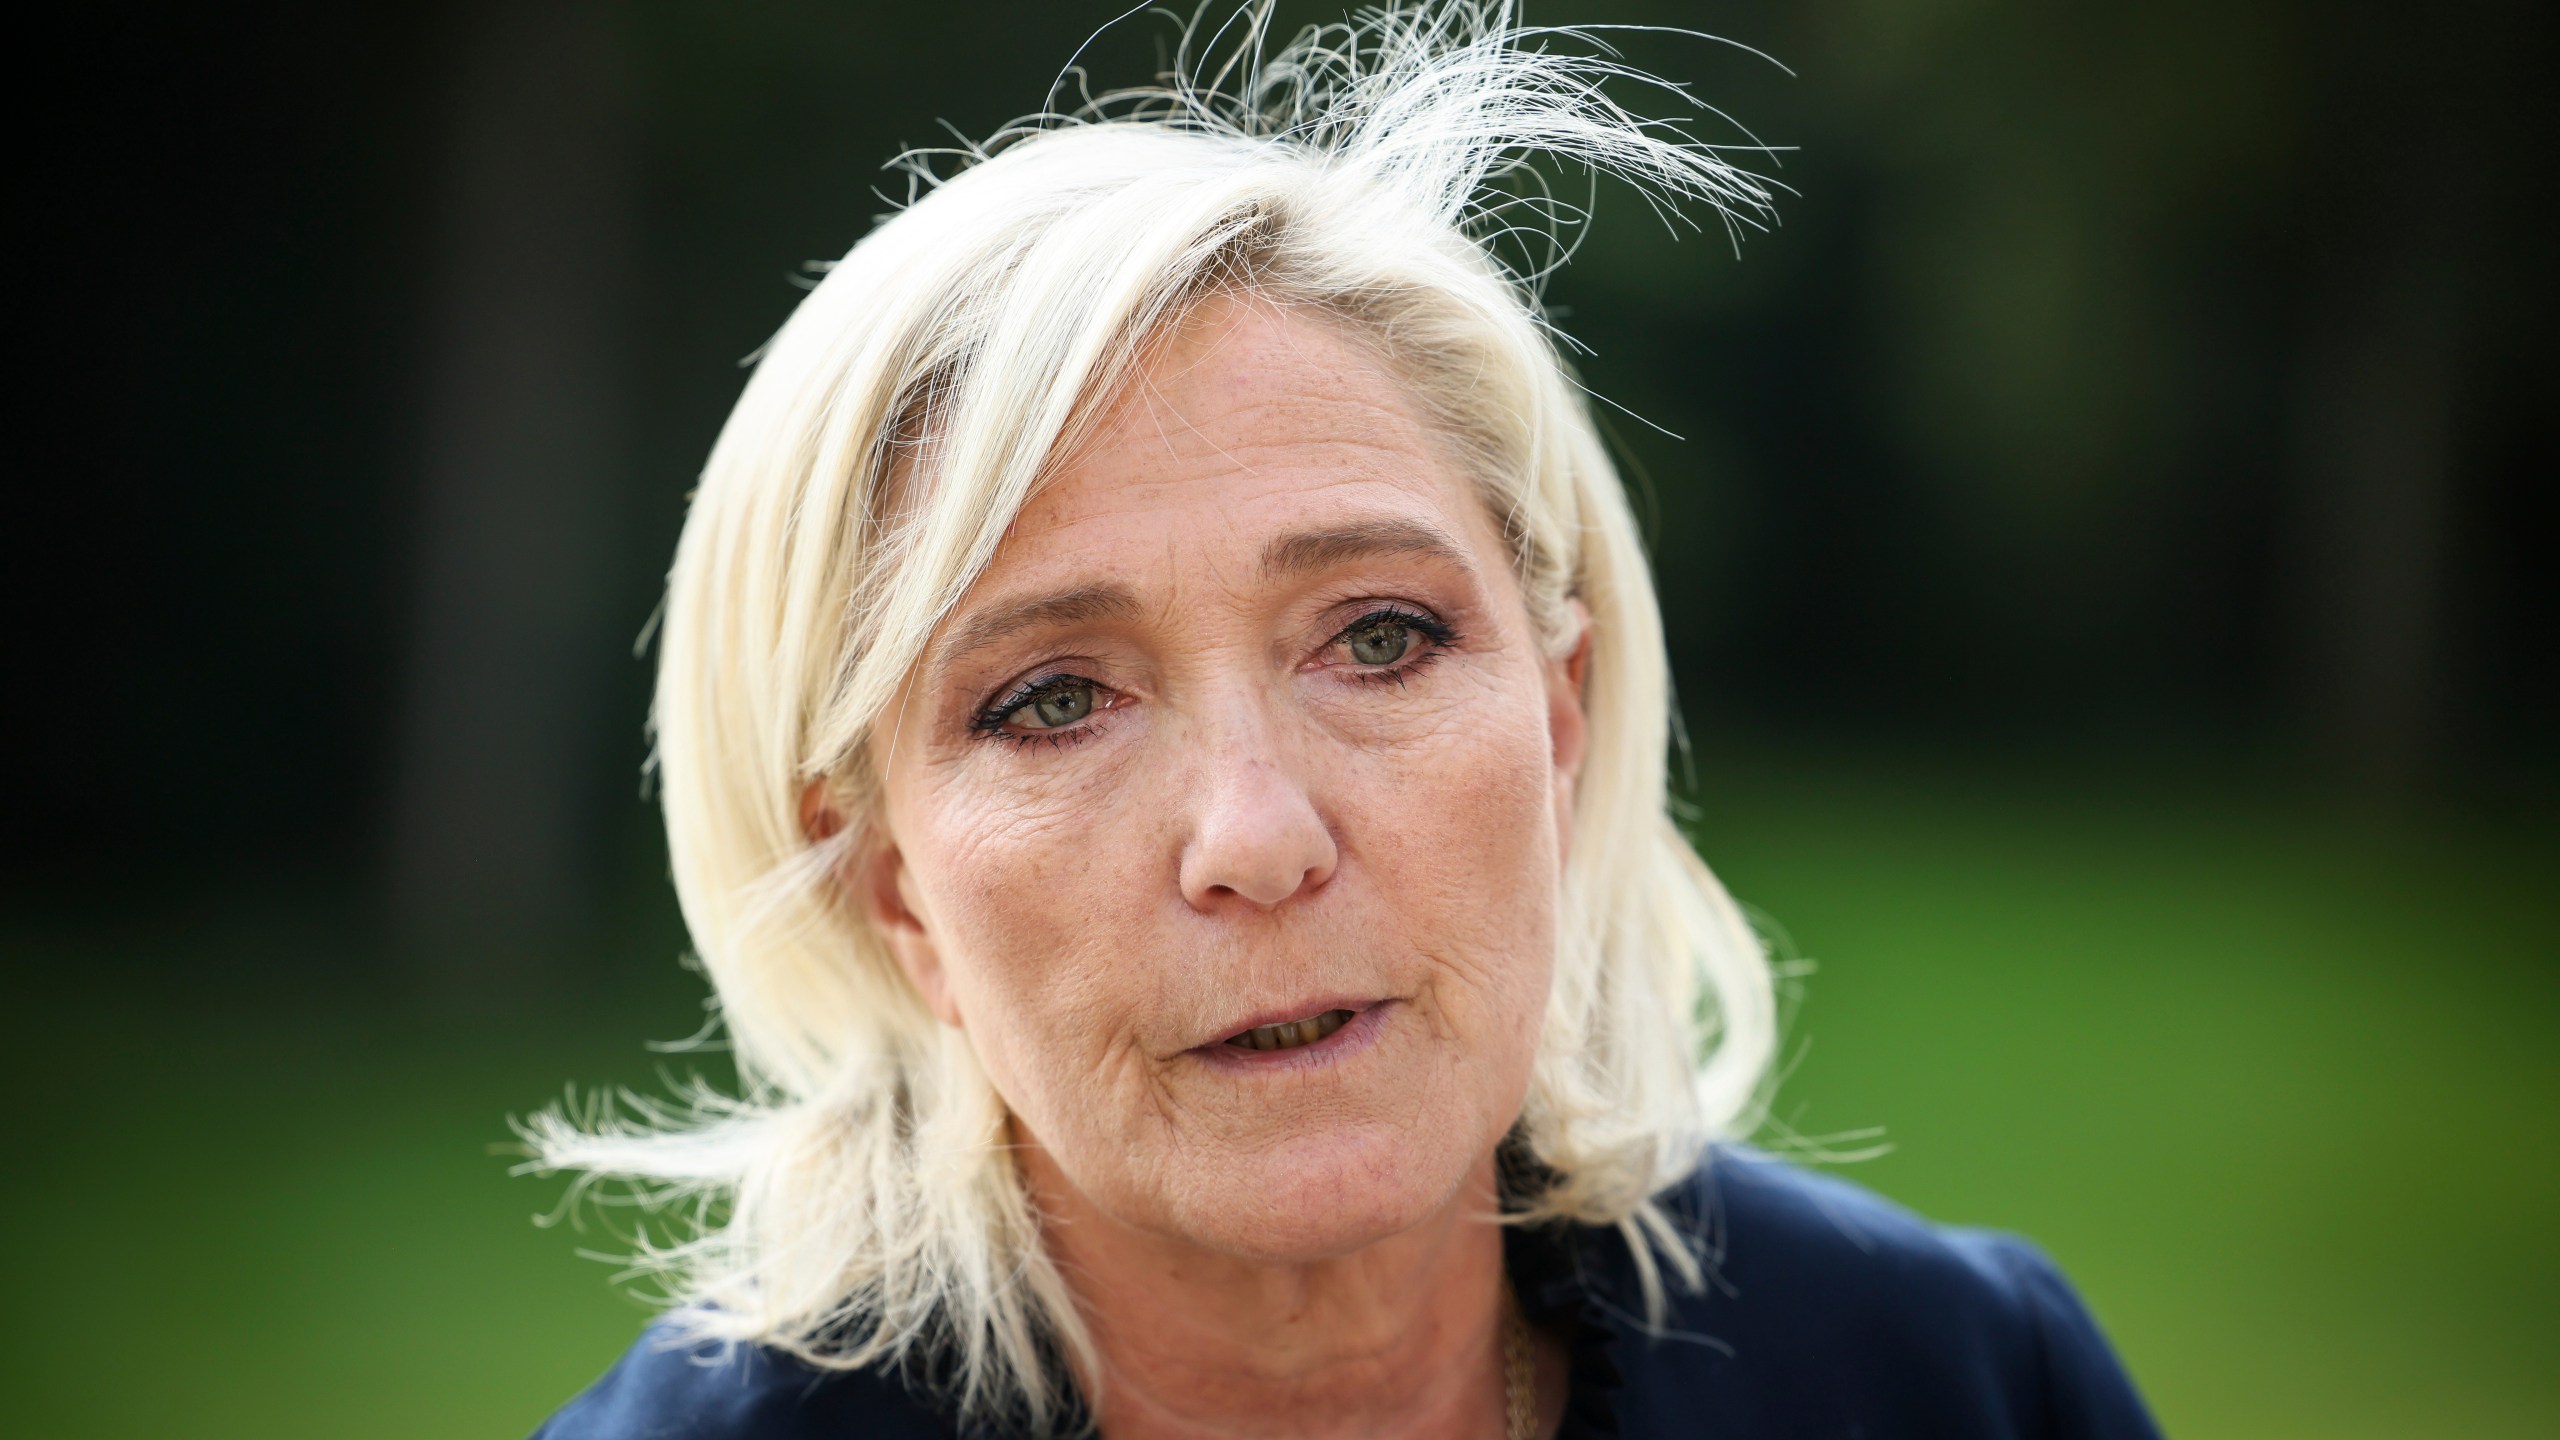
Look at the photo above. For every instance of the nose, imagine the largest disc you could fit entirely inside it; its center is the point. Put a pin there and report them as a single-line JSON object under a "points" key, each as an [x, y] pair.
{"points": [[1256, 835]]}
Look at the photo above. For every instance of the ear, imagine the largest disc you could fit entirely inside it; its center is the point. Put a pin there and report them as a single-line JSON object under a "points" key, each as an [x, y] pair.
{"points": [[885, 888], [1568, 723], [878, 883]]}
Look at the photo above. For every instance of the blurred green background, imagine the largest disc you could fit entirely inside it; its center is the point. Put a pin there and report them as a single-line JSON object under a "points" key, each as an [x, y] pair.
{"points": [[2105, 550]]}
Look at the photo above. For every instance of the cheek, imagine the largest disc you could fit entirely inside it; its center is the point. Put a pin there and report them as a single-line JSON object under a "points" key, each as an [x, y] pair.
{"points": [[1067, 944], [1458, 830], [1020, 887]]}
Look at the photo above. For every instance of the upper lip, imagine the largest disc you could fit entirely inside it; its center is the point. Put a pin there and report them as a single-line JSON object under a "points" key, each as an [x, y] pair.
{"points": [[1289, 1014]]}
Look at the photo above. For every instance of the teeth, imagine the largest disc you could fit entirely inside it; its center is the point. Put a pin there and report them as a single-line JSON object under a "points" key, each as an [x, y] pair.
{"points": [[1290, 1034]]}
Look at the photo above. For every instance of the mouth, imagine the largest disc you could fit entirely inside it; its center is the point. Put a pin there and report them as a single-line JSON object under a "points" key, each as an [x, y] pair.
{"points": [[1291, 1034]]}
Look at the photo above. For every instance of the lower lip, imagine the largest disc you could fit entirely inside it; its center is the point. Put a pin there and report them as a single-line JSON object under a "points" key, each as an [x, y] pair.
{"points": [[1357, 1034]]}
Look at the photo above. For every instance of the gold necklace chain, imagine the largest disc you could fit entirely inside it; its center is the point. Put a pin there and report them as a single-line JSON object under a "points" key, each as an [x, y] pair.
{"points": [[1519, 1373]]}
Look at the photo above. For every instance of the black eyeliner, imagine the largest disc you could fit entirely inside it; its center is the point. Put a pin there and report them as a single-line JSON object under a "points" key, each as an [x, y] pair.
{"points": [[992, 718], [1441, 632]]}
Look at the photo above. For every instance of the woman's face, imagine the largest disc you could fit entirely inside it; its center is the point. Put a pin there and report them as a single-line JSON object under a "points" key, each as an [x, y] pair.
{"points": [[1225, 813]]}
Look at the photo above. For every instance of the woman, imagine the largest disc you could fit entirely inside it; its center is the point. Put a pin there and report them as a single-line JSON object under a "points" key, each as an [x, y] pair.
{"points": [[1162, 724]]}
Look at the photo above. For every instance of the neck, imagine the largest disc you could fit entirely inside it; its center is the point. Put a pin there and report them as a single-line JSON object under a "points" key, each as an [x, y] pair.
{"points": [[1401, 1337]]}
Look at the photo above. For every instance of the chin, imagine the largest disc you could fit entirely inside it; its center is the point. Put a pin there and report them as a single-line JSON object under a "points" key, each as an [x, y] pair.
{"points": [[1319, 1198]]}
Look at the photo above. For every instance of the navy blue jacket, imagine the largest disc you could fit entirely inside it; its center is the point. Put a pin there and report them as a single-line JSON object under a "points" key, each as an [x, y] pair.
{"points": [[1830, 1313]]}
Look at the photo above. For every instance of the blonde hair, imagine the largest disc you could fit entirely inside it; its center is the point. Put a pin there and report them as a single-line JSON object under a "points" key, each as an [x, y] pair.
{"points": [[855, 1204]]}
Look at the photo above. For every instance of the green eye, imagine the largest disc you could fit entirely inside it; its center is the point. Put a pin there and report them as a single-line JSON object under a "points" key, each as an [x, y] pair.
{"points": [[1064, 706], [1383, 642]]}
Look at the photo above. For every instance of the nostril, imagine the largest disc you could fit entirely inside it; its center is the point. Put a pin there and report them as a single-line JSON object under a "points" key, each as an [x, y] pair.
{"points": [[1254, 830], [1281, 889], [1263, 864]]}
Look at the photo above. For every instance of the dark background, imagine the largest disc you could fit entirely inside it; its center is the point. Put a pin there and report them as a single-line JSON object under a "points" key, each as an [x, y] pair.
{"points": [[2105, 556]]}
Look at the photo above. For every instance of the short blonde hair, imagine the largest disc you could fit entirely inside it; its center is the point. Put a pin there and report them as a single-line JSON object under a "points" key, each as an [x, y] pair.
{"points": [[856, 1204]]}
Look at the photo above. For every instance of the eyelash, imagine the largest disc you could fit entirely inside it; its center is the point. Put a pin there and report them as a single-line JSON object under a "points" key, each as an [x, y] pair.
{"points": [[990, 723], [1440, 635]]}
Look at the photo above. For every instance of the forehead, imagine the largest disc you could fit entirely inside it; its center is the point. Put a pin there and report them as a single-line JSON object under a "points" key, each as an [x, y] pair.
{"points": [[1246, 417]]}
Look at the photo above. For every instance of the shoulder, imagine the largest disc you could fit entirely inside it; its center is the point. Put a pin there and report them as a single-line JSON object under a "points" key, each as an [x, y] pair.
{"points": [[1829, 1310], [664, 1388]]}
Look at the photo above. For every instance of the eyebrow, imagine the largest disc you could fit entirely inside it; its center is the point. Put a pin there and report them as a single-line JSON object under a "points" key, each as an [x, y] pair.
{"points": [[1309, 551], [1303, 553], [1071, 607]]}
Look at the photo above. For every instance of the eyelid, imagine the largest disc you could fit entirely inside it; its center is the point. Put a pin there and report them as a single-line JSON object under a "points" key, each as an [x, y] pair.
{"points": [[1030, 690], [992, 717], [1440, 632]]}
